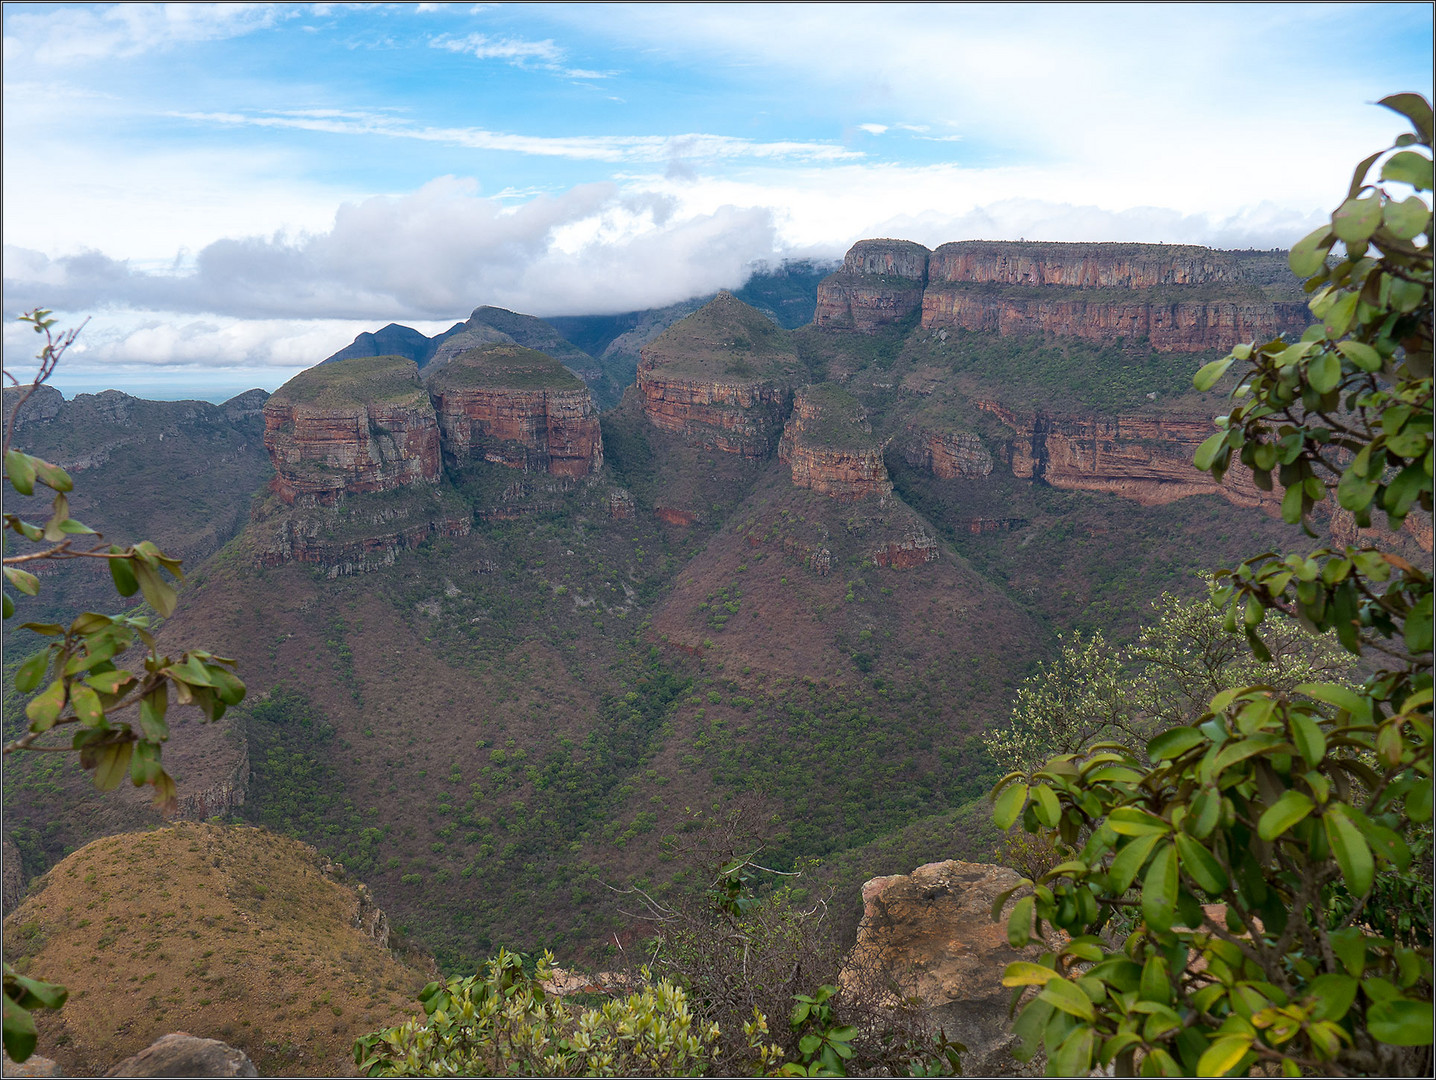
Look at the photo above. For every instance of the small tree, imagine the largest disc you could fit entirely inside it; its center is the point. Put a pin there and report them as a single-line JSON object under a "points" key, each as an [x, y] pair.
{"points": [[81, 687], [1264, 845]]}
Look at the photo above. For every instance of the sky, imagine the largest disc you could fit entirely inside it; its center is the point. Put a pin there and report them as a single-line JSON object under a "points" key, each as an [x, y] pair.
{"points": [[231, 192]]}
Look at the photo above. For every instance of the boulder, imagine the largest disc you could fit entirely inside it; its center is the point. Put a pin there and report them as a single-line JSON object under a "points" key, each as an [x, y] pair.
{"points": [[931, 935], [182, 1054]]}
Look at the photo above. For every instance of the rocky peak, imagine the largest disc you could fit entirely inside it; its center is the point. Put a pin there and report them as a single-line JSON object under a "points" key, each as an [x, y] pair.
{"points": [[1086, 266], [892, 258], [356, 425], [720, 378], [830, 447], [518, 407], [881, 282]]}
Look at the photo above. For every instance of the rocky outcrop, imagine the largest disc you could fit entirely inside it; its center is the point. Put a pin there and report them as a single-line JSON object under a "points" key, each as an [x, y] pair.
{"points": [[1145, 459], [224, 796], [906, 553], [830, 447], [931, 935], [358, 425], [13, 875], [720, 378], [182, 1054], [948, 455], [516, 407], [321, 540], [881, 282], [1181, 298]]}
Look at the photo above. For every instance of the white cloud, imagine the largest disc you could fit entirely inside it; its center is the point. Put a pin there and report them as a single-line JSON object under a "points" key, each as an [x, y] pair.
{"points": [[612, 148], [77, 34], [545, 55], [873, 129]]}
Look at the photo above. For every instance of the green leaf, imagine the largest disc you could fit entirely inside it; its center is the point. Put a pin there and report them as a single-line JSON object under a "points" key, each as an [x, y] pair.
{"points": [[1291, 505], [1129, 862], [1292, 807], [152, 714], [1334, 994], [1023, 973], [32, 672], [1350, 849], [113, 763], [1343, 698], [1418, 801], [1174, 743], [1208, 375], [20, 468], [110, 682], [1415, 108], [44, 710], [1019, 923], [1009, 804], [1074, 1056], [1069, 998], [1356, 219], [1308, 255], [123, 575], [1307, 736], [1360, 354], [1417, 630], [1349, 945], [1408, 167], [1049, 810], [1130, 821], [86, 704], [1159, 889], [1354, 492], [1207, 453], [20, 1034], [1201, 866], [52, 476], [1324, 373], [158, 593], [23, 580], [1397, 1022], [1223, 1055], [1407, 219]]}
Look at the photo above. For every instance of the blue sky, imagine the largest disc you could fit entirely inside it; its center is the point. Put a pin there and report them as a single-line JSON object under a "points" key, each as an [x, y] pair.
{"points": [[231, 192]]}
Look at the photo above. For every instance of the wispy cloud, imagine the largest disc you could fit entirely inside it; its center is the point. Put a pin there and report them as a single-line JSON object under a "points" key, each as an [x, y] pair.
{"points": [[77, 34], [873, 129], [613, 148], [544, 55]]}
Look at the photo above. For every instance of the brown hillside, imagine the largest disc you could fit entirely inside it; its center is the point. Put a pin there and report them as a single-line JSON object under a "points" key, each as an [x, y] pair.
{"points": [[230, 933]]}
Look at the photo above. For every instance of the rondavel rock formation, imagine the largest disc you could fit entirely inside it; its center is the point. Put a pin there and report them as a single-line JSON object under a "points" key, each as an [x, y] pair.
{"points": [[722, 378], [368, 425], [830, 447], [1180, 298]]}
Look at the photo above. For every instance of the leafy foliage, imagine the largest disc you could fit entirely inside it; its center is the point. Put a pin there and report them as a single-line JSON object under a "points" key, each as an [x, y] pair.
{"points": [[1252, 845], [74, 677]]}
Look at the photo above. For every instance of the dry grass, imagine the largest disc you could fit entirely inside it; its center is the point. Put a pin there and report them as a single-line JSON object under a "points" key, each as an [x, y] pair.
{"points": [[230, 933]]}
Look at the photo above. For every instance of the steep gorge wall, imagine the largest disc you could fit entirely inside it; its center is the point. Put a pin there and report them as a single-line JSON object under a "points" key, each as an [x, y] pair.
{"points": [[321, 453], [1180, 298], [847, 468], [552, 431], [743, 418]]}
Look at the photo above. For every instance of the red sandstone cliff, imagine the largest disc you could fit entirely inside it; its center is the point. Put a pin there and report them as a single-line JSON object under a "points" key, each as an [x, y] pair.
{"points": [[353, 426], [1086, 266], [721, 378], [830, 447], [948, 455], [881, 282], [516, 407]]}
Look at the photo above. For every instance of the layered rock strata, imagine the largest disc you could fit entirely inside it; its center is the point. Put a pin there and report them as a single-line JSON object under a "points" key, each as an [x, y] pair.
{"points": [[948, 455], [358, 425], [907, 552], [881, 282], [1145, 459], [1180, 298], [720, 379], [516, 407], [830, 447], [930, 935]]}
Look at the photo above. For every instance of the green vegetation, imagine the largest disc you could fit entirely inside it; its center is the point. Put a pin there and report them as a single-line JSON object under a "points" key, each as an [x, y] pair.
{"points": [[507, 366], [839, 423], [1253, 853], [725, 340], [359, 380]]}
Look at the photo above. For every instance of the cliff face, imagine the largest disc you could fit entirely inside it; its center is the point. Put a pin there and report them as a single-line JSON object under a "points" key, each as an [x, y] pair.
{"points": [[881, 282], [830, 447], [948, 455], [1144, 459], [721, 378], [519, 408], [1181, 298], [1188, 326], [353, 426]]}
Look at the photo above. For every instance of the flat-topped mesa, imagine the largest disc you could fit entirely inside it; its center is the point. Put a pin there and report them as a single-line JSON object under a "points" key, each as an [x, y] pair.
{"points": [[721, 378], [881, 282], [830, 446], [1181, 298], [518, 407], [1082, 266], [357, 425]]}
